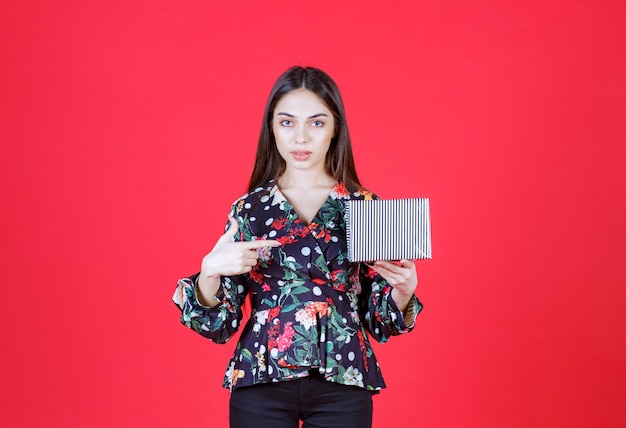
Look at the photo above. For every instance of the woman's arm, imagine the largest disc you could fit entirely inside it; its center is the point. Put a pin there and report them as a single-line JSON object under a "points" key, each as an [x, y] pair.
{"points": [[220, 322], [402, 277], [227, 258], [388, 310], [211, 300]]}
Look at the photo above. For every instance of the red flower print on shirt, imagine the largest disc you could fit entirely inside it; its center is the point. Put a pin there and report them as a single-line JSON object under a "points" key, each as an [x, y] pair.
{"points": [[322, 233], [285, 364], [340, 190], [273, 313], [336, 278], [284, 240], [256, 276], [279, 223], [367, 195], [362, 347], [284, 340], [369, 272], [272, 333], [300, 232]]}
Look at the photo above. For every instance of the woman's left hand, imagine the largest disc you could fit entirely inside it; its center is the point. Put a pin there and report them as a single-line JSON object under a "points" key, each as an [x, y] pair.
{"points": [[401, 276]]}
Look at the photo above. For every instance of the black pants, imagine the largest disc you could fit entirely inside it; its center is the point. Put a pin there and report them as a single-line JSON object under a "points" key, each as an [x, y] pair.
{"points": [[315, 401]]}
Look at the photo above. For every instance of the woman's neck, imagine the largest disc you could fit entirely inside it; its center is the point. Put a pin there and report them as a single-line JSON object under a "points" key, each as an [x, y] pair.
{"points": [[305, 179]]}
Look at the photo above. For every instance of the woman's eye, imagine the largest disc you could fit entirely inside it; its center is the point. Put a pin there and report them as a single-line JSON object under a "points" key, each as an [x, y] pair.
{"points": [[286, 122], [317, 123]]}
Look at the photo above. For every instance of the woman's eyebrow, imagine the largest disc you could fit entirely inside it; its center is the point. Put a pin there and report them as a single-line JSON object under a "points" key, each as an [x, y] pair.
{"points": [[282, 113]]}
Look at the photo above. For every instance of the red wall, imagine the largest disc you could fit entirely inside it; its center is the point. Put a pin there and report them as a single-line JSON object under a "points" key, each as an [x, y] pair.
{"points": [[127, 129]]}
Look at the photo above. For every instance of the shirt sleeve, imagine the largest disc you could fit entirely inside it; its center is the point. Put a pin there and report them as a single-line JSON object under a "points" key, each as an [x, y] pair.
{"points": [[379, 311], [222, 321]]}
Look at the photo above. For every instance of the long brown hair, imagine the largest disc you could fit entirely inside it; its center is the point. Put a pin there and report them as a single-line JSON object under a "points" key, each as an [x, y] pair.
{"points": [[339, 159]]}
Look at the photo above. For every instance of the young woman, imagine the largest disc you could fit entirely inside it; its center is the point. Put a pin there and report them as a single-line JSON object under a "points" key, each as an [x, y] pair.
{"points": [[304, 354]]}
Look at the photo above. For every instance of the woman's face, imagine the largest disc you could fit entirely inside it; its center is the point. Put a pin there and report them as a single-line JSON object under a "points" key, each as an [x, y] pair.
{"points": [[303, 127]]}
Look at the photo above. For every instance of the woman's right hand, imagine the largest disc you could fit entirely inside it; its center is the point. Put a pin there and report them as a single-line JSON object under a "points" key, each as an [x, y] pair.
{"points": [[227, 258], [233, 258]]}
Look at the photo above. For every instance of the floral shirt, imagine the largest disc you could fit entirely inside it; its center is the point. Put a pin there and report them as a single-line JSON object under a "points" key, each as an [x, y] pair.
{"points": [[311, 307]]}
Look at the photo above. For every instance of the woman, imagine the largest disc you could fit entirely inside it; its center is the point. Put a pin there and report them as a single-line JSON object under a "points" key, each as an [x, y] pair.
{"points": [[304, 354]]}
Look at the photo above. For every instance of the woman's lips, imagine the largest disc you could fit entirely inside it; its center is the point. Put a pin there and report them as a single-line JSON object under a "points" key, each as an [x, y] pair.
{"points": [[301, 155]]}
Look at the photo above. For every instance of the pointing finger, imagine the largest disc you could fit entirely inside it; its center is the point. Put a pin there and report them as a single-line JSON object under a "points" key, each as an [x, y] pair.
{"points": [[260, 243]]}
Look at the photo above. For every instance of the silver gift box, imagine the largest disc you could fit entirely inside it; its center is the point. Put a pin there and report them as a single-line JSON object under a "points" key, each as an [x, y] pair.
{"points": [[392, 229]]}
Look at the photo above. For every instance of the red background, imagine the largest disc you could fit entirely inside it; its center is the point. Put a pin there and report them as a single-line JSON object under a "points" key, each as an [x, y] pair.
{"points": [[129, 127]]}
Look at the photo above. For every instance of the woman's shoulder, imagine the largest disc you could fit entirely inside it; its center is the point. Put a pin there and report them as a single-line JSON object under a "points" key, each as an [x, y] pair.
{"points": [[260, 193], [359, 193]]}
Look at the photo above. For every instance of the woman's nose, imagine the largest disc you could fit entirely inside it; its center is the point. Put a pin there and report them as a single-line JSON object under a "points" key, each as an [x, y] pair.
{"points": [[301, 134]]}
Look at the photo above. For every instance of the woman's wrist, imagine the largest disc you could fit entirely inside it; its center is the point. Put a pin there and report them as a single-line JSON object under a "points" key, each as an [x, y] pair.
{"points": [[207, 289], [401, 299]]}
